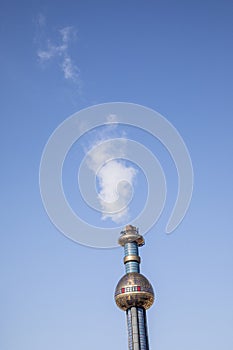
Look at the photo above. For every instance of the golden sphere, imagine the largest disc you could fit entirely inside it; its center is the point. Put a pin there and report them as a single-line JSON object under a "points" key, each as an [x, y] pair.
{"points": [[134, 289]]}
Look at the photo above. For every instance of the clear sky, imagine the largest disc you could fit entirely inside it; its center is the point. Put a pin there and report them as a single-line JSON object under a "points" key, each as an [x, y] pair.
{"points": [[58, 57]]}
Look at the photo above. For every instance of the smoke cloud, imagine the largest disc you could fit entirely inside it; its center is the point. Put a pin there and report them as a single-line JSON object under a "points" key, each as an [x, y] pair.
{"points": [[114, 177]]}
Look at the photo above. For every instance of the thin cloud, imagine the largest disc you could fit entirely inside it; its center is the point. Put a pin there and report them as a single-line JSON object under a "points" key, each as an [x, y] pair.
{"points": [[70, 70], [40, 20], [49, 50]]}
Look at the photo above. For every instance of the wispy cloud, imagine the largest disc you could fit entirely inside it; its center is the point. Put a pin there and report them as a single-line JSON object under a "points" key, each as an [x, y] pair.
{"points": [[58, 50], [70, 70], [40, 20], [115, 177]]}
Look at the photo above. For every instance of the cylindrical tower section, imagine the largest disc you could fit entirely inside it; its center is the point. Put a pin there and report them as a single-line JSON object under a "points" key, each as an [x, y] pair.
{"points": [[132, 259], [130, 239], [135, 329], [142, 325], [130, 331]]}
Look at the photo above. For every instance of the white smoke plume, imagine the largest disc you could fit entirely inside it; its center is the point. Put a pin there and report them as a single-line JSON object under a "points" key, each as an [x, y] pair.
{"points": [[115, 178]]}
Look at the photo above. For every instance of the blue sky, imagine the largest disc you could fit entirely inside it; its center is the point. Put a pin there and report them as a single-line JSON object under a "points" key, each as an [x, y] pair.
{"points": [[172, 56]]}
